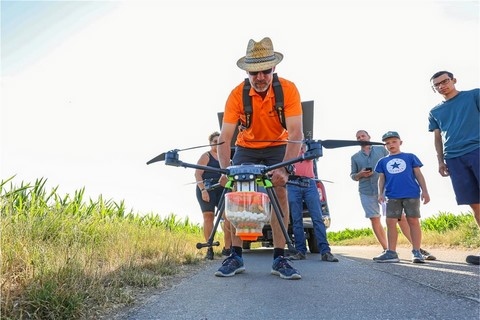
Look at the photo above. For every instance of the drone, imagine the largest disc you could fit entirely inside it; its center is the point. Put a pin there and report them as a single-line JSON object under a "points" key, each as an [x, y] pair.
{"points": [[249, 177]]}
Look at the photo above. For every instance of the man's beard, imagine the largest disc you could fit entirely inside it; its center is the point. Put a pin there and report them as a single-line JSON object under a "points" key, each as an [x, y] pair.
{"points": [[260, 86]]}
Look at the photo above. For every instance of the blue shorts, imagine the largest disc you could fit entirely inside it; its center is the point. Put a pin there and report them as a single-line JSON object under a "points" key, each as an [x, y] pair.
{"points": [[465, 176], [370, 206]]}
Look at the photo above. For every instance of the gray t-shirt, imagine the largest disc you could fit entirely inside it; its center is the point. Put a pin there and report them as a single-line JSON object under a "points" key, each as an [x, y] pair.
{"points": [[360, 160]]}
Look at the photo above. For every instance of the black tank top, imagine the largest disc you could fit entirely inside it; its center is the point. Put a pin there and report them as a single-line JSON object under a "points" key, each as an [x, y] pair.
{"points": [[212, 162]]}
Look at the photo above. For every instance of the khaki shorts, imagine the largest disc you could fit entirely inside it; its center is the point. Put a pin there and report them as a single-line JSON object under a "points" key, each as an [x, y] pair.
{"points": [[411, 207]]}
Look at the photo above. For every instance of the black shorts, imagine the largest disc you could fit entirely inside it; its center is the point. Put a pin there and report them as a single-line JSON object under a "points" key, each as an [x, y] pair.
{"points": [[266, 156], [215, 196]]}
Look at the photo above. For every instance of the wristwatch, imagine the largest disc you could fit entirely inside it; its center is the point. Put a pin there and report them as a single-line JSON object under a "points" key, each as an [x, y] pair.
{"points": [[290, 169]]}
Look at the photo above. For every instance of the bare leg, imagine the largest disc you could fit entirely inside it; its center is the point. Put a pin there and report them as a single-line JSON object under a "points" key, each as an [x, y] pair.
{"points": [[236, 241], [476, 212], [392, 234], [279, 240], [416, 232], [227, 238], [379, 232], [473, 259], [405, 227], [207, 224]]}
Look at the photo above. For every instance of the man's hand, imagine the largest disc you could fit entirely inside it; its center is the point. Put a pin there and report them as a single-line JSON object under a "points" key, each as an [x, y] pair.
{"points": [[279, 177], [223, 180], [365, 173], [443, 170], [425, 197], [381, 199]]}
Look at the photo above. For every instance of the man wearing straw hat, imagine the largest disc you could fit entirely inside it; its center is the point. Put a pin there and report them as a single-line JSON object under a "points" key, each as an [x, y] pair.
{"points": [[264, 142]]}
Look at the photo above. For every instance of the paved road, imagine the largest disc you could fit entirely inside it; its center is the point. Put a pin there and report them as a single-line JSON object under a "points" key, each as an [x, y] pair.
{"points": [[354, 288]]}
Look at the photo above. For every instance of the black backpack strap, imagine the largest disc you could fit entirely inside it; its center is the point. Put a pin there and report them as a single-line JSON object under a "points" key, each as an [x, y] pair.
{"points": [[279, 106], [247, 104]]}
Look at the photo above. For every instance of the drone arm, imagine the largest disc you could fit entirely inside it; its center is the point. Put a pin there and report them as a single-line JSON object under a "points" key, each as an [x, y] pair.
{"points": [[314, 151], [282, 164], [179, 163]]}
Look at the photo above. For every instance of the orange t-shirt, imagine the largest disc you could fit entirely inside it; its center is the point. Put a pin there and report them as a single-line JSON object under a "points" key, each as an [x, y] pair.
{"points": [[265, 124]]}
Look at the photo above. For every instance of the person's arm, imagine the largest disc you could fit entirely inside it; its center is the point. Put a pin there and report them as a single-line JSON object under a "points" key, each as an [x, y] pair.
{"points": [[224, 148], [225, 140], [381, 187], [353, 169], [295, 133], [424, 196], [203, 161], [442, 167]]}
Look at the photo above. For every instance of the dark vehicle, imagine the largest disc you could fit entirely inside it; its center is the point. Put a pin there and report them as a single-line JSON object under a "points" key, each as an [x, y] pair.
{"points": [[267, 238]]}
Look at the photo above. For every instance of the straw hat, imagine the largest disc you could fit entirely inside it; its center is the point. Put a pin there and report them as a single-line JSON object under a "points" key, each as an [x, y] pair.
{"points": [[260, 56]]}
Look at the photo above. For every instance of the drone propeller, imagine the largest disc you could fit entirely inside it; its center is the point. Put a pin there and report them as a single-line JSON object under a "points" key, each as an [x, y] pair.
{"points": [[161, 157], [195, 182], [331, 144], [322, 180]]}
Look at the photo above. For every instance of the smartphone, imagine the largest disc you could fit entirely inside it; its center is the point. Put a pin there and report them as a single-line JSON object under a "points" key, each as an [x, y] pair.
{"points": [[368, 169]]}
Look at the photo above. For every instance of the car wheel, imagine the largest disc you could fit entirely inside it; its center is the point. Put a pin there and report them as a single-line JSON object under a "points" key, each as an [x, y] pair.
{"points": [[312, 242]]}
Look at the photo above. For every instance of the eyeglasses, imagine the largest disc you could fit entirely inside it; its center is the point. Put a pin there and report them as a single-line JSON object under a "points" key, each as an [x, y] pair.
{"points": [[441, 83], [254, 73]]}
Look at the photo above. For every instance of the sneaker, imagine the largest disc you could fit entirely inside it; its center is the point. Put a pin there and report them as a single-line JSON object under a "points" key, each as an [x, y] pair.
{"points": [[417, 257], [387, 256], [225, 252], [328, 256], [298, 256], [231, 266], [473, 260], [426, 255], [209, 255], [281, 268]]}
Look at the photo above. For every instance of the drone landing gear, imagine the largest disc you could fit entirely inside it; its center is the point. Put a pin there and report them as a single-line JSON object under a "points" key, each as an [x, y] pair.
{"points": [[279, 214], [219, 215]]}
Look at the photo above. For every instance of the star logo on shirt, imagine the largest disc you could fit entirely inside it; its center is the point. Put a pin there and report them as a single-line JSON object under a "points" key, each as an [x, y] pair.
{"points": [[396, 165]]}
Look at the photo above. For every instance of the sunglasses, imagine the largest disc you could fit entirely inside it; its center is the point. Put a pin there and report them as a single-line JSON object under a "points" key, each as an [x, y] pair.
{"points": [[254, 73]]}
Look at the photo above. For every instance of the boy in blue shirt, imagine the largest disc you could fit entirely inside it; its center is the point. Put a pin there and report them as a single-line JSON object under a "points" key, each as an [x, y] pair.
{"points": [[402, 183]]}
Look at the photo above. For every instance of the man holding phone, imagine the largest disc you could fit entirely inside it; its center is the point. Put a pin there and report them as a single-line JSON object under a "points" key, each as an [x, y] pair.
{"points": [[362, 164]]}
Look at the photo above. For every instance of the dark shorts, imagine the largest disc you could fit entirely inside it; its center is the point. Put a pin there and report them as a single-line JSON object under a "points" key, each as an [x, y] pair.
{"points": [[411, 207], [215, 196], [266, 156], [465, 176]]}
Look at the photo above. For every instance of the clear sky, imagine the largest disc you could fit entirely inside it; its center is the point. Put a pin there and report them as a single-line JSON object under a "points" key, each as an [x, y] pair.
{"points": [[90, 91]]}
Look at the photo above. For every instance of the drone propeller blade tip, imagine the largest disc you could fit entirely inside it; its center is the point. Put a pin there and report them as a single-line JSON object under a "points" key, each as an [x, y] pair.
{"points": [[160, 157]]}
